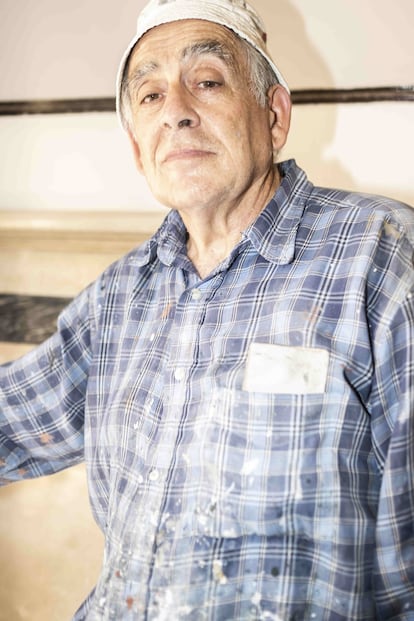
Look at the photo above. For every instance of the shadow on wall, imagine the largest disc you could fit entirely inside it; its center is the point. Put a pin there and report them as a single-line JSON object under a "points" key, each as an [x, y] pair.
{"points": [[313, 127]]}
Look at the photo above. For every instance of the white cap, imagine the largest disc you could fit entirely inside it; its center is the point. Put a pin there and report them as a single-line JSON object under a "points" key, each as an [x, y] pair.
{"points": [[237, 15]]}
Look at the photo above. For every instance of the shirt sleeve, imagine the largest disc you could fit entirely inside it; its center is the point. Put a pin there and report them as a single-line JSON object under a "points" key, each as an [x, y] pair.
{"points": [[391, 404], [42, 397]]}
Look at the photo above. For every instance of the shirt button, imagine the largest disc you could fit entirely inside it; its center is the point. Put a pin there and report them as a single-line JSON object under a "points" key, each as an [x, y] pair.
{"points": [[179, 374], [196, 294], [154, 475]]}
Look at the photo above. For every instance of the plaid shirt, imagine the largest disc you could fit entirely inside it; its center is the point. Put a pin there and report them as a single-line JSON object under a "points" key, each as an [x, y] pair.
{"points": [[249, 437]]}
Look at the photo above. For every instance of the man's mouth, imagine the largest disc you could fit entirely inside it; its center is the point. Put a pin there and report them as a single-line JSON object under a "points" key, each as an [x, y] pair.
{"points": [[186, 153]]}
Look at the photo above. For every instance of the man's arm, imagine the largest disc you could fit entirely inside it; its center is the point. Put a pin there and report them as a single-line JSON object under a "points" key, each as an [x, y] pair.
{"points": [[42, 398], [391, 403]]}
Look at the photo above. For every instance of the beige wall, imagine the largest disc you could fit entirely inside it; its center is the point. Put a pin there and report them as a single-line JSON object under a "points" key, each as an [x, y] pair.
{"points": [[52, 166]]}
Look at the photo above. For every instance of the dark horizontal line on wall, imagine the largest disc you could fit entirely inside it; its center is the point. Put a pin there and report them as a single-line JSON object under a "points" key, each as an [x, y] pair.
{"points": [[354, 95], [57, 106], [299, 97], [27, 318]]}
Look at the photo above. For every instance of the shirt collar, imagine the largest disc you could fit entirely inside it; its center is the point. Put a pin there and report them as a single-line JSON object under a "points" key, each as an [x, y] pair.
{"points": [[167, 243], [272, 234]]}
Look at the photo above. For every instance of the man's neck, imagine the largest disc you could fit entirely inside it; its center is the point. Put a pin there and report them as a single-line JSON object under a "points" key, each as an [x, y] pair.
{"points": [[207, 256], [213, 233]]}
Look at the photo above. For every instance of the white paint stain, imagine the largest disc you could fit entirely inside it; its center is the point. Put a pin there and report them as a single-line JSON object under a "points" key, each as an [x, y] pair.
{"points": [[250, 466], [168, 608], [218, 573]]}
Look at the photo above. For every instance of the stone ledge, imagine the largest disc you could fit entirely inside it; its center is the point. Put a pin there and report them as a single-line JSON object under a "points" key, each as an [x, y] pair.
{"points": [[76, 231], [45, 253]]}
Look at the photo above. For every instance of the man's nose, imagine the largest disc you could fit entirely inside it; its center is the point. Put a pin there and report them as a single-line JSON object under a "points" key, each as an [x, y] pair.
{"points": [[178, 109]]}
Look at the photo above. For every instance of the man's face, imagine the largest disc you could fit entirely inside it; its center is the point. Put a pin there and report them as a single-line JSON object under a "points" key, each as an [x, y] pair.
{"points": [[201, 138]]}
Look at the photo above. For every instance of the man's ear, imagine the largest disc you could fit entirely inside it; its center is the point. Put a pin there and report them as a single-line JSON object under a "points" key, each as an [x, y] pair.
{"points": [[136, 152], [280, 107]]}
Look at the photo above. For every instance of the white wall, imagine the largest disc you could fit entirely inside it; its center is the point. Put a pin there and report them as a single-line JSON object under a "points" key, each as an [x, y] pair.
{"points": [[58, 49]]}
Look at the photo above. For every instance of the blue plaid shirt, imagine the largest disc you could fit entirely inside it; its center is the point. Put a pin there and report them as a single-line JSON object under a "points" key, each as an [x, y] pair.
{"points": [[249, 437]]}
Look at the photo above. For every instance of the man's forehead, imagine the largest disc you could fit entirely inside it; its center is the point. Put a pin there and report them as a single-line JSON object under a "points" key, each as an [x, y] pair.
{"points": [[186, 38]]}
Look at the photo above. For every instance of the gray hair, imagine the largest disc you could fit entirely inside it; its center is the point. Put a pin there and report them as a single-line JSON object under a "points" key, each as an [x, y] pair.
{"points": [[261, 78], [261, 75]]}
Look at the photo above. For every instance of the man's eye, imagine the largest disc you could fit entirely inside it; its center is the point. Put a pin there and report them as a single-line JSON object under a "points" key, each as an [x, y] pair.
{"points": [[209, 84], [150, 98]]}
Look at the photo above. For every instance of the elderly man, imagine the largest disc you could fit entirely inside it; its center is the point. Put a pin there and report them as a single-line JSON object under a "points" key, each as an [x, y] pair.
{"points": [[241, 385]]}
